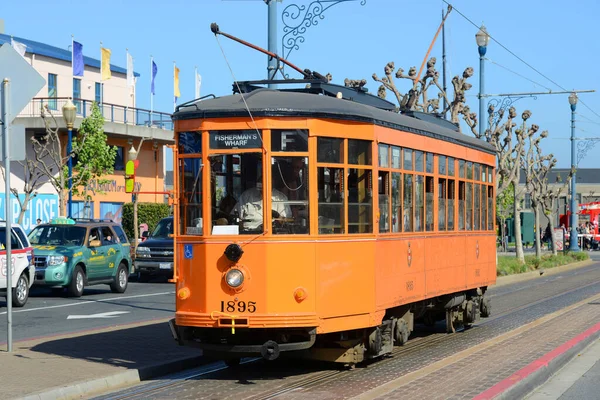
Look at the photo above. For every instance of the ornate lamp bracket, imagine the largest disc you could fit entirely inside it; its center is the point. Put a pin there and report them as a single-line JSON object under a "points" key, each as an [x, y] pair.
{"points": [[298, 18]]}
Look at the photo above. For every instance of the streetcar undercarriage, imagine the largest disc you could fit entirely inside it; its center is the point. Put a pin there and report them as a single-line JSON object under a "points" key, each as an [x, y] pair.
{"points": [[460, 310]]}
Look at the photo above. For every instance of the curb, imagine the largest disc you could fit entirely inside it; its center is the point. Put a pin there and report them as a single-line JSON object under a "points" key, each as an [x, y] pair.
{"points": [[115, 381], [525, 276], [535, 374]]}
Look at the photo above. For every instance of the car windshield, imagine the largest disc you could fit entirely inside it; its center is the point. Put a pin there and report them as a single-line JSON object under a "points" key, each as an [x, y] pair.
{"points": [[163, 229], [57, 235]]}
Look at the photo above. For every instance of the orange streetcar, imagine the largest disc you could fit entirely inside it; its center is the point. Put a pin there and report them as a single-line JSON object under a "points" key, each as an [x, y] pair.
{"points": [[316, 220]]}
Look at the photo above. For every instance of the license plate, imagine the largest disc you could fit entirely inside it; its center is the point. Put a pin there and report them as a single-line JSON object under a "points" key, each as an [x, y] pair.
{"points": [[165, 266]]}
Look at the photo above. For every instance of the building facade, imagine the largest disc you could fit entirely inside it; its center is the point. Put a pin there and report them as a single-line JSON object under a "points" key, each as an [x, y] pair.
{"points": [[125, 125], [588, 190]]}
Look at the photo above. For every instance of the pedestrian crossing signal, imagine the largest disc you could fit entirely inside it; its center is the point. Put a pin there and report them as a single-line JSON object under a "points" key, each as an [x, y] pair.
{"points": [[130, 168]]}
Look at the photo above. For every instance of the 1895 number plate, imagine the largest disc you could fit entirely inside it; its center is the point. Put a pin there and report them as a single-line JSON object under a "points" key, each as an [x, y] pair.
{"points": [[238, 306]]}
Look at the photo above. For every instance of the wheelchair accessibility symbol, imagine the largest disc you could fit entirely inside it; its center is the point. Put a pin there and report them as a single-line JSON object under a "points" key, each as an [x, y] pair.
{"points": [[187, 251]]}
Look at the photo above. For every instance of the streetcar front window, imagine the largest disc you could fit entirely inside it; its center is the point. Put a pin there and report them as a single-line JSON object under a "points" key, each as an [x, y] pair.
{"points": [[191, 195], [289, 194], [236, 193]]}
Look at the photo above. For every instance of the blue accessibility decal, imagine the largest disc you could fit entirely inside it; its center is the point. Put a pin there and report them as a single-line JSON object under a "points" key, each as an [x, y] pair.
{"points": [[188, 251]]}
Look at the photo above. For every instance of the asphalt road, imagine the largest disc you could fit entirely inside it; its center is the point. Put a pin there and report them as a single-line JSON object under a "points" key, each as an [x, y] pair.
{"points": [[50, 313]]}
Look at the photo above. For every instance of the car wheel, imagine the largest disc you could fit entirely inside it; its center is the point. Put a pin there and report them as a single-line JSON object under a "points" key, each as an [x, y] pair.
{"points": [[77, 284], [120, 283], [20, 293]]}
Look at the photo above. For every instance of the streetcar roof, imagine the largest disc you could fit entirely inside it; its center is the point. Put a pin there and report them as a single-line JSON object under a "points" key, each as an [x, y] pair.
{"points": [[274, 103]]}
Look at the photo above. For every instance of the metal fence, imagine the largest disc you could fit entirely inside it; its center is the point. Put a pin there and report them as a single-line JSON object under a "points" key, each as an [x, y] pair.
{"points": [[111, 112]]}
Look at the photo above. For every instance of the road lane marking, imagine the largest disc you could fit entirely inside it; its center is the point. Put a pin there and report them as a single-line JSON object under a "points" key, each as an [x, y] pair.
{"points": [[83, 302], [109, 314]]}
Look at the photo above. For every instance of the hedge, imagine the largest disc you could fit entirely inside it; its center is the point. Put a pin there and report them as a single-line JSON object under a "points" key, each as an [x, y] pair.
{"points": [[148, 213]]}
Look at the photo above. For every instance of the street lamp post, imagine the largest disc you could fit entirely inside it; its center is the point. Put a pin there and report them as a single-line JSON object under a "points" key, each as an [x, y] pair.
{"points": [[482, 39], [573, 245], [69, 111]]}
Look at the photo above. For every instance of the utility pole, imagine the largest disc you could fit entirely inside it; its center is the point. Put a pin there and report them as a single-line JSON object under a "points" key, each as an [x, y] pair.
{"points": [[444, 62], [272, 41]]}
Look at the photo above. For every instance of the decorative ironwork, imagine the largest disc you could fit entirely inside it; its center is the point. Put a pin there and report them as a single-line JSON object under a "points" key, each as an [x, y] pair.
{"points": [[297, 19], [583, 146], [502, 104]]}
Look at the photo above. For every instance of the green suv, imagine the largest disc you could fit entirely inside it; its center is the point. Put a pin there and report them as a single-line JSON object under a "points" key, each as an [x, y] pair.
{"points": [[77, 253]]}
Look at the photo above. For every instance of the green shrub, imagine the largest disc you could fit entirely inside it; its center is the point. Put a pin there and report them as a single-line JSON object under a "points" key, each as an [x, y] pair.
{"points": [[508, 265], [148, 213]]}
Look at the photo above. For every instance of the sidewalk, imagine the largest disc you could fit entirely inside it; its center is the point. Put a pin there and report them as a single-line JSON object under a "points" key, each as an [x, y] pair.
{"points": [[70, 366], [579, 379]]}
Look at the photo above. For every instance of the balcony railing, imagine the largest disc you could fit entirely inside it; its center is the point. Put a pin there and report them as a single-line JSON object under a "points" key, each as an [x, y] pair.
{"points": [[111, 112]]}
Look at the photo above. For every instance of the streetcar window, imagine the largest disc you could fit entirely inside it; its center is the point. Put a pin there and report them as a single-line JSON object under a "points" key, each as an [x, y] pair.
{"points": [[461, 168], [396, 202], [483, 207], [190, 142], [477, 172], [408, 164], [236, 193], [396, 157], [384, 201], [330, 183], [490, 198], [191, 196], [469, 170], [490, 175], [450, 166], [429, 203], [477, 208], [469, 204], [360, 201], [451, 197], [442, 204], [330, 150], [429, 163], [419, 161], [484, 173], [359, 152], [419, 199], [289, 177], [442, 165], [408, 203], [289, 140], [461, 205], [384, 155]]}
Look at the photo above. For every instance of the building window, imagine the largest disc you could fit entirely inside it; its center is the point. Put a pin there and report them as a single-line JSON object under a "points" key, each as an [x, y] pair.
{"points": [[77, 94], [120, 159], [81, 209], [52, 93], [111, 211], [98, 93]]}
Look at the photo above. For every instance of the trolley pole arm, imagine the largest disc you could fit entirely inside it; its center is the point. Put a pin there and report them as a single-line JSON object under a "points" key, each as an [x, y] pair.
{"points": [[215, 29]]}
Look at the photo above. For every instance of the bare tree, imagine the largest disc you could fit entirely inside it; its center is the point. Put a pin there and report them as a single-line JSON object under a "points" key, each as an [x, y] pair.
{"points": [[32, 180], [417, 98]]}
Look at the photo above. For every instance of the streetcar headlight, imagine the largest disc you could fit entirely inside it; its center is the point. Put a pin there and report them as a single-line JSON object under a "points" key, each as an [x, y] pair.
{"points": [[234, 278]]}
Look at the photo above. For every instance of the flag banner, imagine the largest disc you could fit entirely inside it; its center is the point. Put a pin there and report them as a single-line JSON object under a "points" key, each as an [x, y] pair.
{"points": [[130, 81], [176, 84], [198, 84], [19, 47], [77, 59], [105, 64], [154, 71]]}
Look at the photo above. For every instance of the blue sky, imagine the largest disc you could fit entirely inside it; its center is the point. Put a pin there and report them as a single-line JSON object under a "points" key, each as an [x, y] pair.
{"points": [[353, 41]]}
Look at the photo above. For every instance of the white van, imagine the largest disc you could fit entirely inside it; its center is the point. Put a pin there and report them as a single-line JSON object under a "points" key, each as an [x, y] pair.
{"points": [[23, 264]]}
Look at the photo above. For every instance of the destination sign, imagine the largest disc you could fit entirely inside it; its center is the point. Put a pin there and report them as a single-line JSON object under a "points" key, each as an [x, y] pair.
{"points": [[235, 140]]}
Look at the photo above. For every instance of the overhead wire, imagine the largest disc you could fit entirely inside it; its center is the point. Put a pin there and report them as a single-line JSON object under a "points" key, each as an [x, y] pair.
{"points": [[519, 58]]}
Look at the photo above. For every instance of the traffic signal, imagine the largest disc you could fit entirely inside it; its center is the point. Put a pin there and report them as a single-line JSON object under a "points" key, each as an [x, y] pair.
{"points": [[130, 168]]}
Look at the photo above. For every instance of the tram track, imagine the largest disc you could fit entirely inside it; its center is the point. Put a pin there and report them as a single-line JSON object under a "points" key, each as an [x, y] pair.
{"points": [[316, 379]]}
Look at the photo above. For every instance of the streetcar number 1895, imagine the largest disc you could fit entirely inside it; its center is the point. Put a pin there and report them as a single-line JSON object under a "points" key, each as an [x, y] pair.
{"points": [[239, 306]]}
